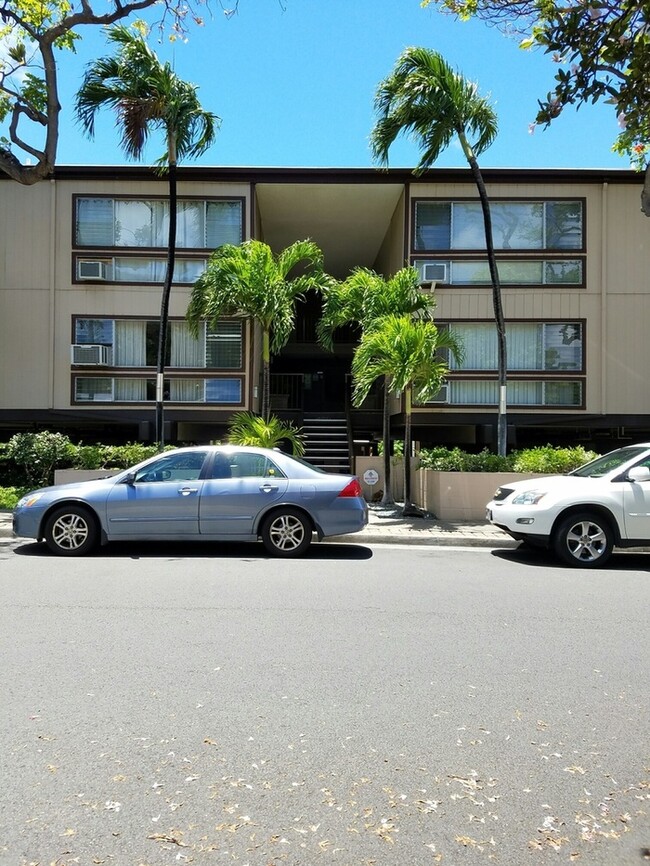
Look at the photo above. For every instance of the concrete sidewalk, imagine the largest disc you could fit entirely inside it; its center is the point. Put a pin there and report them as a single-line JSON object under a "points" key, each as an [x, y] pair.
{"points": [[386, 526]]}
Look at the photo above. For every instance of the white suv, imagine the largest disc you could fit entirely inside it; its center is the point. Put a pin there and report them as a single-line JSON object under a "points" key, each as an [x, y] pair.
{"points": [[581, 516]]}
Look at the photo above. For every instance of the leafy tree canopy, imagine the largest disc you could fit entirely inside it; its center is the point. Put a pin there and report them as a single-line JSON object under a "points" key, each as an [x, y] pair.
{"points": [[32, 33], [602, 48]]}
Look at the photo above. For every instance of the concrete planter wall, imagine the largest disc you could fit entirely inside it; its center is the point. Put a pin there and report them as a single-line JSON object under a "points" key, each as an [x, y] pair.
{"points": [[67, 476], [459, 495], [448, 495]]}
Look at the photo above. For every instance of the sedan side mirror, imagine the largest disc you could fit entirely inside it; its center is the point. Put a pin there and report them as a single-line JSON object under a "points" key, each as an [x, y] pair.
{"points": [[639, 473], [130, 479]]}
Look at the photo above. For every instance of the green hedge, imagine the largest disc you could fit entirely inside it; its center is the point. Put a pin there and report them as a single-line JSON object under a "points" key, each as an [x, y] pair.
{"points": [[30, 459], [546, 458]]}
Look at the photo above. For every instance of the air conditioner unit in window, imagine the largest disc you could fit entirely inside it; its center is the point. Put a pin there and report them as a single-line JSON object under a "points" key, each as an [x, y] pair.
{"points": [[93, 356], [91, 270], [434, 272], [442, 396]]}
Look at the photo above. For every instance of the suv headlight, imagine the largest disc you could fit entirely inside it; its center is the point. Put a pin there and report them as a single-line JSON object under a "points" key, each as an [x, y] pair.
{"points": [[529, 497]]}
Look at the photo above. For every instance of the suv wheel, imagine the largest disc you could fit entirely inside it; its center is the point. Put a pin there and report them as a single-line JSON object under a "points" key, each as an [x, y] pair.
{"points": [[584, 540]]}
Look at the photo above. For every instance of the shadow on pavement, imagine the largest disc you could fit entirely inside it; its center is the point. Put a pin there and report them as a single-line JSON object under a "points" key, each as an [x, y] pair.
{"points": [[200, 550], [620, 560]]}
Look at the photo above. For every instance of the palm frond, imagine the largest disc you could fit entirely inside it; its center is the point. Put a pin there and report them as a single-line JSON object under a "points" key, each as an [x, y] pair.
{"points": [[246, 428], [407, 351], [426, 99], [146, 95]]}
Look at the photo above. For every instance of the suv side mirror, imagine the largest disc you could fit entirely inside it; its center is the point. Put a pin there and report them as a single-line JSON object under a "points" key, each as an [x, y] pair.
{"points": [[639, 473]]}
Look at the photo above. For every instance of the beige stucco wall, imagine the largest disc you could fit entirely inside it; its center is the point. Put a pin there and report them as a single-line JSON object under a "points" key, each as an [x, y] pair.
{"points": [[26, 290], [391, 253]]}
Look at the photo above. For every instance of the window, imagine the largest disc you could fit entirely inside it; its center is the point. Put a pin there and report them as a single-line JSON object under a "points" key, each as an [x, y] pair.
{"points": [[126, 222], [516, 225], [137, 269], [531, 346], [90, 389], [512, 272], [483, 392], [243, 465], [185, 466], [223, 346], [553, 230], [135, 343]]}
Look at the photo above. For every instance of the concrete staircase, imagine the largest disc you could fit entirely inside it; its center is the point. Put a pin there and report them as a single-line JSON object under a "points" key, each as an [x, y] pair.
{"points": [[326, 441]]}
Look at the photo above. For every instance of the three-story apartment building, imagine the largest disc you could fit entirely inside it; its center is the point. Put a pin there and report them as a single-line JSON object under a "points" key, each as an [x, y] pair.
{"points": [[82, 259]]}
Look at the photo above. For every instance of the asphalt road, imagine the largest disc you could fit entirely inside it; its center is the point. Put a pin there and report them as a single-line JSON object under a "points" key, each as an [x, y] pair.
{"points": [[166, 705]]}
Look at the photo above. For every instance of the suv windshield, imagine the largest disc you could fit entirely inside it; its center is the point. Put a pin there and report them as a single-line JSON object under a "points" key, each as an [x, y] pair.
{"points": [[609, 462]]}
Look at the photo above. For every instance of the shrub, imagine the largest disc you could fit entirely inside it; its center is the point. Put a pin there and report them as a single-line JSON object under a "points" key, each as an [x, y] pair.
{"points": [[547, 458], [455, 460], [37, 455], [397, 444], [123, 456], [90, 457], [9, 497]]}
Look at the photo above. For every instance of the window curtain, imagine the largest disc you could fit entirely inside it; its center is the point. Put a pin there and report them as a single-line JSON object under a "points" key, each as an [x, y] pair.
{"points": [[186, 390], [186, 351], [130, 390], [525, 393], [190, 231], [477, 393], [480, 344], [130, 343], [524, 346]]}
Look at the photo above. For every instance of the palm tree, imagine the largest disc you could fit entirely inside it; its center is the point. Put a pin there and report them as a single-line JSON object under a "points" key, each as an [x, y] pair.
{"points": [[246, 428], [410, 353], [426, 98], [363, 299], [250, 280], [146, 95]]}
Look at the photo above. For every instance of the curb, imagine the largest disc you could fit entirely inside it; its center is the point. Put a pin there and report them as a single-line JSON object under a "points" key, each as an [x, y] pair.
{"points": [[397, 533]]}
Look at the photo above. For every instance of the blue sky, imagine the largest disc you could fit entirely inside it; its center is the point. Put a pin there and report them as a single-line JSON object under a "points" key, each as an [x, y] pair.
{"points": [[294, 86]]}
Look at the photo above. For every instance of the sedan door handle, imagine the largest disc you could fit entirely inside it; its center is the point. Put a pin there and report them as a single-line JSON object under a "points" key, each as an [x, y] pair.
{"points": [[268, 488], [185, 491]]}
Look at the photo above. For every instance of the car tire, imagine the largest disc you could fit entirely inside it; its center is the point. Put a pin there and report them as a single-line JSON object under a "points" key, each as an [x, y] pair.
{"points": [[286, 532], [71, 531], [584, 540]]}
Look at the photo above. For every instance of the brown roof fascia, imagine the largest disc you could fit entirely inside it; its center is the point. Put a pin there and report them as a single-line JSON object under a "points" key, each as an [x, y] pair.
{"points": [[243, 174]]}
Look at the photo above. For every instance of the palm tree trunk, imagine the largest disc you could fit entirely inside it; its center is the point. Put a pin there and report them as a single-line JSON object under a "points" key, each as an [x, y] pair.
{"points": [[409, 510], [387, 495], [266, 375], [502, 422], [164, 304]]}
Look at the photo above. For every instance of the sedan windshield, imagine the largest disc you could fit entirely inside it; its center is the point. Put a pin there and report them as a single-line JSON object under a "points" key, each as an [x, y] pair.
{"points": [[609, 462]]}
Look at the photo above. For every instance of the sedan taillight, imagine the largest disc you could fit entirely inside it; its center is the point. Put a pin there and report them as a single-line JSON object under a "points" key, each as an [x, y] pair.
{"points": [[352, 489]]}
